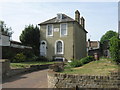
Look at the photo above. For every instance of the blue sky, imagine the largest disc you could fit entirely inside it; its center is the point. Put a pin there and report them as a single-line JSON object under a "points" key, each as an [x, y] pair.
{"points": [[99, 16]]}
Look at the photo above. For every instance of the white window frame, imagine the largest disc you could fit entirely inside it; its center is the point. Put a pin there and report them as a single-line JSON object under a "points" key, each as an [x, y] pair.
{"points": [[56, 47], [47, 30], [66, 30]]}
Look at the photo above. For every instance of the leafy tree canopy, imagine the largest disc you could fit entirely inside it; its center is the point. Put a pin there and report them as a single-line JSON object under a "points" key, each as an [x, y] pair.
{"points": [[31, 36], [108, 35], [115, 48], [4, 29]]}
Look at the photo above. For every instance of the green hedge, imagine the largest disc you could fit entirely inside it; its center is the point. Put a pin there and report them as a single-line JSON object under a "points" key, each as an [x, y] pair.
{"points": [[22, 57], [78, 63], [86, 60], [75, 63]]}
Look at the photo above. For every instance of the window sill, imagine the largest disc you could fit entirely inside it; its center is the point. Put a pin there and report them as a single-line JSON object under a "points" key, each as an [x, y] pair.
{"points": [[50, 36], [59, 53], [63, 35]]}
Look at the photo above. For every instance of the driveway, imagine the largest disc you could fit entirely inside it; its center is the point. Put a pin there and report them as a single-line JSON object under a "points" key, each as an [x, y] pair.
{"points": [[37, 79]]}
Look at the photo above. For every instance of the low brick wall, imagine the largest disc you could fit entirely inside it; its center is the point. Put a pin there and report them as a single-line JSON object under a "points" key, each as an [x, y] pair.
{"points": [[59, 80]]}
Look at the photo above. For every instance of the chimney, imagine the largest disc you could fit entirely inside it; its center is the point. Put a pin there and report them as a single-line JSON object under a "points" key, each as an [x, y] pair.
{"points": [[82, 22], [77, 16], [89, 44]]}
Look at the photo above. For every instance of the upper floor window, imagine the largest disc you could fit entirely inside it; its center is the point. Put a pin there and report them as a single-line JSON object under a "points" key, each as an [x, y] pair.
{"points": [[50, 30], [63, 29]]}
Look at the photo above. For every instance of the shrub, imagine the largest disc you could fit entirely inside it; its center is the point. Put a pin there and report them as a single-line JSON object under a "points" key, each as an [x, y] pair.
{"points": [[115, 49], [78, 63], [29, 56], [75, 63], [42, 58], [87, 59], [34, 58], [20, 57]]}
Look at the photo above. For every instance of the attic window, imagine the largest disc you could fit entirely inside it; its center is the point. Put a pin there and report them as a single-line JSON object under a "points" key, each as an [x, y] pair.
{"points": [[59, 16]]}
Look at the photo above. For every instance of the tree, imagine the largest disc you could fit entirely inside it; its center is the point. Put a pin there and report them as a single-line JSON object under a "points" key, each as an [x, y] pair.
{"points": [[4, 29], [31, 36], [107, 36], [115, 48]]}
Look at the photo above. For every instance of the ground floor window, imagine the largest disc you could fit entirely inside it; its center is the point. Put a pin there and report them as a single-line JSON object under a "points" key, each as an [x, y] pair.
{"points": [[59, 47]]}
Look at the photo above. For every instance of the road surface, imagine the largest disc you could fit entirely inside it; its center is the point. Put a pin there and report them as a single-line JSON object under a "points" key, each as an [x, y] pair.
{"points": [[37, 79]]}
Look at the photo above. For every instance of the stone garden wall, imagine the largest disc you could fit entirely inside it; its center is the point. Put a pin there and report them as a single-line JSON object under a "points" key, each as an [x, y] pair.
{"points": [[60, 80], [4, 67], [32, 68], [6, 71]]}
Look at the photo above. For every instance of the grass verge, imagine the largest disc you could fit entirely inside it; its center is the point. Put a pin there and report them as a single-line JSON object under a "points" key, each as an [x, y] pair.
{"points": [[28, 64], [101, 67]]}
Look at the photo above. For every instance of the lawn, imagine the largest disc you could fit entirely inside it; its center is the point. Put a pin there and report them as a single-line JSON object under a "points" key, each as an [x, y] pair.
{"points": [[101, 67], [28, 64]]}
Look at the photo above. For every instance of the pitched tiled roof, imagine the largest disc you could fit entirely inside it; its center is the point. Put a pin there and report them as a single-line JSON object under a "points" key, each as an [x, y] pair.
{"points": [[93, 44], [15, 42], [55, 20]]}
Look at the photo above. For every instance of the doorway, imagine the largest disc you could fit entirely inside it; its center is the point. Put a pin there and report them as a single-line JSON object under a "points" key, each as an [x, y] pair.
{"points": [[43, 47]]}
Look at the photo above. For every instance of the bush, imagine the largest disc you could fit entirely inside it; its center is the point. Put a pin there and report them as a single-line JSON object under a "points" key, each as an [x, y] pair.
{"points": [[78, 63], [87, 59], [20, 57], [41, 58], [115, 49], [75, 63], [29, 56]]}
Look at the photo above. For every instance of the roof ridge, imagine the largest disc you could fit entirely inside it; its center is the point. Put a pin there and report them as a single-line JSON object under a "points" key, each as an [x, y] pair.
{"points": [[68, 16], [53, 20]]}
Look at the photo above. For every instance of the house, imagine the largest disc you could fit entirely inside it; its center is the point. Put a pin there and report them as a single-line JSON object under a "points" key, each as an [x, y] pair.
{"points": [[9, 46], [63, 37], [105, 48], [93, 47], [4, 40], [16, 44]]}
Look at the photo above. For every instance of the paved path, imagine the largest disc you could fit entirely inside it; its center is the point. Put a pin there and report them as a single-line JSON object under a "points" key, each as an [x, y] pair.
{"points": [[37, 79]]}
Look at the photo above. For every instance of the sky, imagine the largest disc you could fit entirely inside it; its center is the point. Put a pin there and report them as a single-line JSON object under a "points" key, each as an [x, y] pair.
{"points": [[119, 11], [99, 16], [119, 18]]}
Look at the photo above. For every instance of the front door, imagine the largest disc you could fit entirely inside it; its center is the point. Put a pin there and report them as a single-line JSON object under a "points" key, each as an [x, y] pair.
{"points": [[43, 47]]}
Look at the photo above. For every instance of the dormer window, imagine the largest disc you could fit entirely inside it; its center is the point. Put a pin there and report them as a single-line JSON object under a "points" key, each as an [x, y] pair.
{"points": [[59, 16]]}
